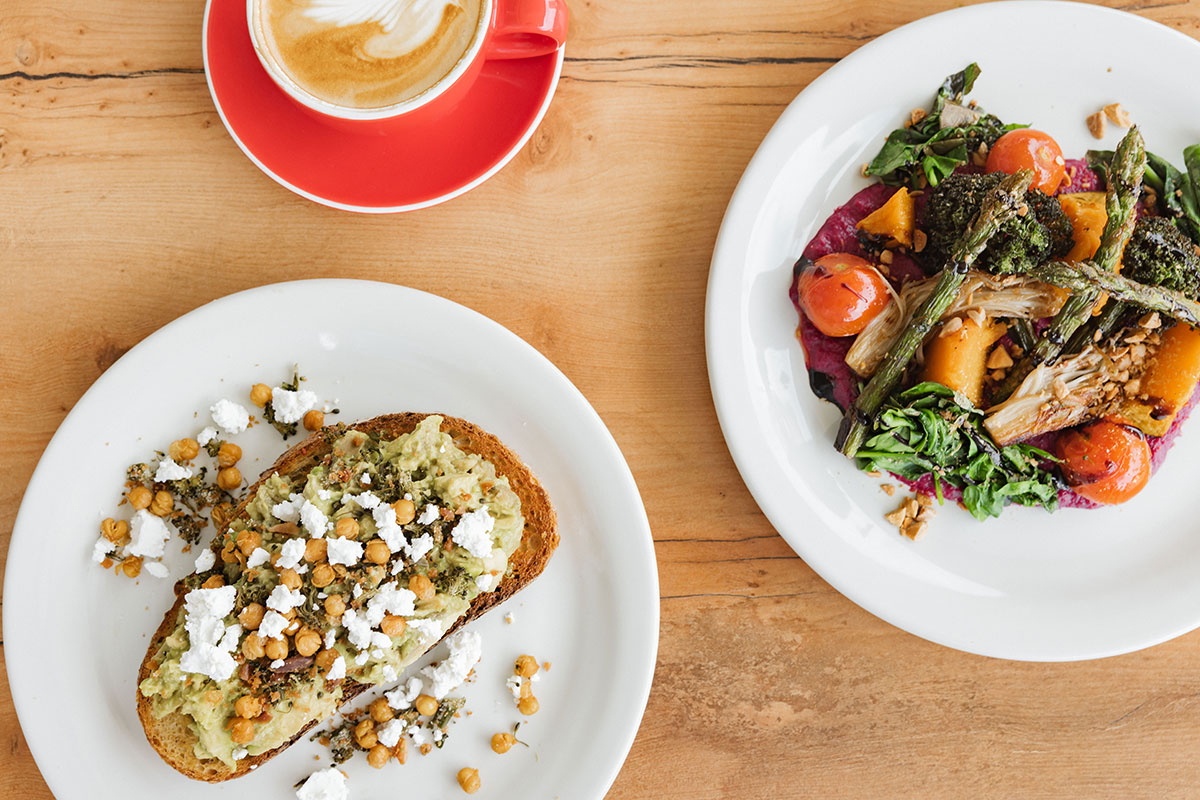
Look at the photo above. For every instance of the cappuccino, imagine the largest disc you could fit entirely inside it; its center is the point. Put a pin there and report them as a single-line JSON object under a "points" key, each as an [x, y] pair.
{"points": [[367, 54]]}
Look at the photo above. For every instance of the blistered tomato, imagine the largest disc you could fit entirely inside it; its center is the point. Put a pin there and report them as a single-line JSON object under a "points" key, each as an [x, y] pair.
{"points": [[1029, 149], [840, 293], [1104, 462]]}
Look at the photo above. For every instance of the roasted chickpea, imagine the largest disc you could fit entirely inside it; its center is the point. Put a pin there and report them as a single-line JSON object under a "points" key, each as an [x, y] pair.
{"points": [[290, 578], [323, 575], [346, 528], [381, 712], [184, 449], [314, 420], [248, 706], [426, 705], [377, 552], [115, 530], [241, 730], [253, 647], [132, 566], [276, 649], [140, 497], [222, 513], [308, 642], [526, 666], [229, 478], [213, 582], [314, 550], [378, 755], [406, 511], [421, 586], [228, 454], [325, 659], [162, 504], [364, 734], [294, 624], [248, 541], [335, 605], [503, 742], [468, 779], [260, 394], [393, 625], [528, 705], [251, 617], [213, 696]]}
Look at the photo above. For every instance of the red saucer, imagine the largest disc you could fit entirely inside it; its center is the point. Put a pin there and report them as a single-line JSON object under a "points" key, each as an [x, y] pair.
{"points": [[408, 166]]}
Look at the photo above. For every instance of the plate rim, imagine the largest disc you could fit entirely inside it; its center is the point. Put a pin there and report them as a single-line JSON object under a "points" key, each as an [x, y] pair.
{"points": [[729, 248], [361, 209], [637, 682]]}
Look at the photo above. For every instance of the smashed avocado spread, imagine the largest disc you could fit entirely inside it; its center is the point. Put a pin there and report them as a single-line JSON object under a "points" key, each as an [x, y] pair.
{"points": [[351, 574]]}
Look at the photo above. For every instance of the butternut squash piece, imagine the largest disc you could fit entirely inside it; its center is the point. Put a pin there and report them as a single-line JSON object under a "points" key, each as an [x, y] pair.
{"points": [[1088, 215], [1167, 382], [957, 355], [894, 219]]}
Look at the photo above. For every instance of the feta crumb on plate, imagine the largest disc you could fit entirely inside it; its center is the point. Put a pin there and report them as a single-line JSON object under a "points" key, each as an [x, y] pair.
{"points": [[207, 435], [168, 470], [148, 535], [229, 416], [291, 406], [324, 784], [205, 561], [156, 568]]}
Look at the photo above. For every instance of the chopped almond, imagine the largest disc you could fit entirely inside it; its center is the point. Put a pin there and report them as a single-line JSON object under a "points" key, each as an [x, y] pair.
{"points": [[1117, 115], [1095, 124]]}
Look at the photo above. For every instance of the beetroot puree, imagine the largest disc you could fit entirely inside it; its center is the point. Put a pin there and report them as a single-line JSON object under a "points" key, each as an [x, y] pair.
{"points": [[825, 356]]}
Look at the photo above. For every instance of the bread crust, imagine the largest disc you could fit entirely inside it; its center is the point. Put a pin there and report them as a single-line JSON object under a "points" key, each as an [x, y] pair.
{"points": [[171, 737]]}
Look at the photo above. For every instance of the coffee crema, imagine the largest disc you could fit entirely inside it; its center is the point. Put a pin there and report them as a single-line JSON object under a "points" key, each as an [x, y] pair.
{"points": [[367, 53]]}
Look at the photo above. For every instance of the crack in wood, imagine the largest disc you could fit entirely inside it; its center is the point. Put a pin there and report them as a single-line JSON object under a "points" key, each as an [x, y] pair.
{"points": [[741, 596], [687, 62], [139, 73]]}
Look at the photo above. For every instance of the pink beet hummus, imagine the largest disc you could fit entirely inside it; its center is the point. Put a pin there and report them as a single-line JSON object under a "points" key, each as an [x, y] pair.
{"points": [[825, 356]]}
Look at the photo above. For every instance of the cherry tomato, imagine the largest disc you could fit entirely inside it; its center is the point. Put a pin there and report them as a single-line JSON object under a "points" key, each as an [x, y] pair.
{"points": [[1104, 462], [840, 293], [1029, 149]]}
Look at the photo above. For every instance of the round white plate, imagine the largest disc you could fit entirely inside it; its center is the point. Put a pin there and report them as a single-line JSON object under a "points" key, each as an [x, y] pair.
{"points": [[1033, 586], [75, 633]]}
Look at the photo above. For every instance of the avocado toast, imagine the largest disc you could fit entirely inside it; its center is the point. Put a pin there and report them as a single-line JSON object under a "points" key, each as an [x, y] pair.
{"points": [[353, 555]]}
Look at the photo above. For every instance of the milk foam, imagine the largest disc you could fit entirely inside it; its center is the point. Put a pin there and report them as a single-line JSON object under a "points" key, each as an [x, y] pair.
{"points": [[406, 24]]}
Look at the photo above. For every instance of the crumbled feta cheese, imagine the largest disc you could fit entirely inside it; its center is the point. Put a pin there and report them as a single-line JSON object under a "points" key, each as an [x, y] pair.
{"points": [[365, 479], [402, 697], [330, 638], [367, 500], [473, 532], [288, 510], [168, 470], [210, 641], [377, 652], [361, 658], [508, 618], [428, 515], [101, 549], [207, 435], [291, 553], [337, 670], [205, 561], [390, 599], [156, 568], [465, 649], [283, 599], [277, 663], [344, 551], [485, 582], [389, 673], [291, 406], [437, 733], [272, 625], [420, 736], [257, 558], [387, 528], [240, 753], [324, 784], [390, 732], [514, 685], [419, 547], [358, 629], [148, 535], [428, 629], [230, 416], [314, 520]]}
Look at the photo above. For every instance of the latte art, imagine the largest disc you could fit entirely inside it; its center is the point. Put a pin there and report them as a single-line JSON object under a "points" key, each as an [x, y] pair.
{"points": [[367, 53]]}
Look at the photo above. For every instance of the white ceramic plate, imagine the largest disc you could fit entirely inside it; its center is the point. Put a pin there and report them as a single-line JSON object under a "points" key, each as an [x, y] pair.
{"points": [[1078, 584], [75, 633]]}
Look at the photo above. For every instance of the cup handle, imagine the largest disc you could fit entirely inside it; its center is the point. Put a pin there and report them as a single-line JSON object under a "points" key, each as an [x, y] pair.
{"points": [[527, 28]]}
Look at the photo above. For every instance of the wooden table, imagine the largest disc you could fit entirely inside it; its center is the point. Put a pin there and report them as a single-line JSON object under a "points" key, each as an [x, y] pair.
{"points": [[125, 204]]}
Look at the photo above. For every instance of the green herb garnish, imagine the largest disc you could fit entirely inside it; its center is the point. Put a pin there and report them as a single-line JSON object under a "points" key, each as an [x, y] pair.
{"points": [[931, 430]]}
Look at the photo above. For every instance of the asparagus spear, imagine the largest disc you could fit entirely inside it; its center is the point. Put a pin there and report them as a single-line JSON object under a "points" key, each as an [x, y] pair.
{"points": [[1124, 188], [999, 206], [1087, 277]]}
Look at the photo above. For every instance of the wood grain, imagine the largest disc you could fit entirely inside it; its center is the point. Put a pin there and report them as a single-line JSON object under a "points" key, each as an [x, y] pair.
{"points": [[123, 204]]}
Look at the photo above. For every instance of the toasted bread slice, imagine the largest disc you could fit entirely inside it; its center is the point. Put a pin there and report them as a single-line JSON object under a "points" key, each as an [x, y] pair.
{"points": [[172, 737]]}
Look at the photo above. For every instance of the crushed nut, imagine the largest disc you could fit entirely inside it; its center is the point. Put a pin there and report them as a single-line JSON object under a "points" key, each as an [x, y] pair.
{"points": [[999, 359], [916, 115], [951, 325], [1095, 125], [919, 240], [1117, 115], [1150, 321], [888, 488]]}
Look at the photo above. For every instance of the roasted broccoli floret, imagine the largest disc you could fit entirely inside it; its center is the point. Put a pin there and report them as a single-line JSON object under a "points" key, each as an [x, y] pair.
{"points": [[1039, 235], [1159, 254]]}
